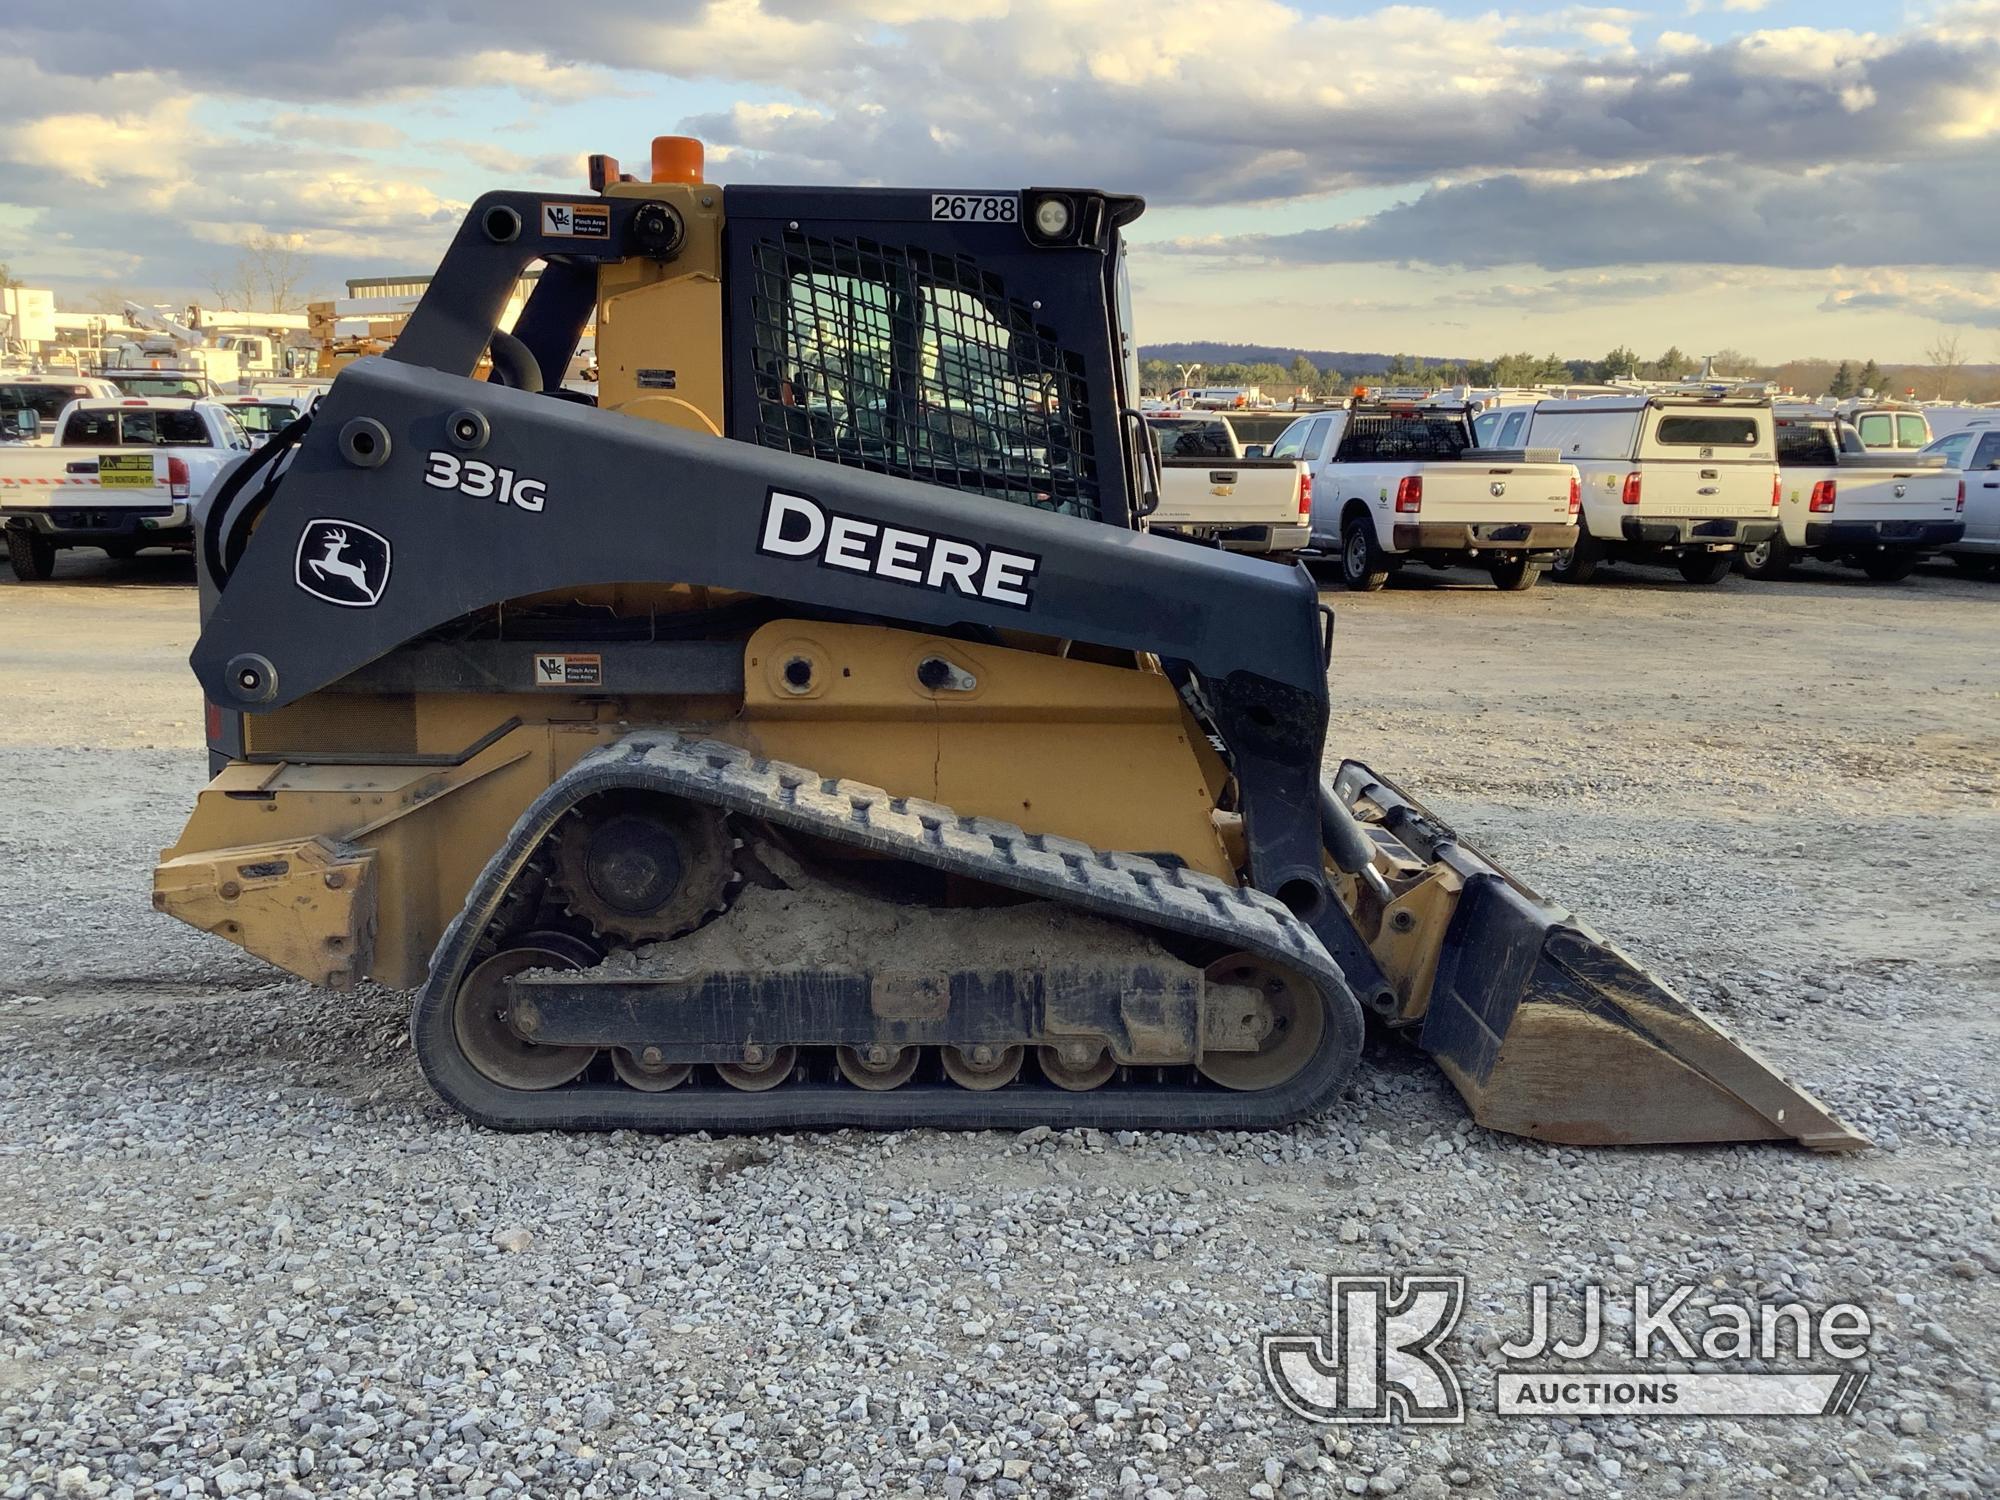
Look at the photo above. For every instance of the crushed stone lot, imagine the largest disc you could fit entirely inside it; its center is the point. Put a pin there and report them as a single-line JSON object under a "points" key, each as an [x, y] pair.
{"points": [[242, 1251]]}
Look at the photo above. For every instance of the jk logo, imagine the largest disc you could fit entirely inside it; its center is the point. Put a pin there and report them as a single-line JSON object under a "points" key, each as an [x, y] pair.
{"points": [[1378, 1361]]}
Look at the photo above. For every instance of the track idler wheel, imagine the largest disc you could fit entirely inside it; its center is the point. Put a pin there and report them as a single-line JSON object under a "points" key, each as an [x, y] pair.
{"points": [[488, 1035], [642, 869], [1278, 1008]]}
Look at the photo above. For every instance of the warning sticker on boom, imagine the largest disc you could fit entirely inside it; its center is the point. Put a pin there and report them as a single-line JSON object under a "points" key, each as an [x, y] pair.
{"points": [[581, 221], [568, 671]]}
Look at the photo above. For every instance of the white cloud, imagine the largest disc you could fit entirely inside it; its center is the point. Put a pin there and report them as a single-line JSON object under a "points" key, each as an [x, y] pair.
{"points": [[337, 130], [1965, 301], [1559, 139]]}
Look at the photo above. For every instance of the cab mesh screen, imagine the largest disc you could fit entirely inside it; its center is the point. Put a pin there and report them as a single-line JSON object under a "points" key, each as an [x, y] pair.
{"points": [[917, 364], [1804, 445], [1404, 434]]}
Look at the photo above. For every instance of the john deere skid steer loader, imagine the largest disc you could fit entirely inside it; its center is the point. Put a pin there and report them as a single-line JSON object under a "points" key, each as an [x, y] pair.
{"points": [[807, 732]]}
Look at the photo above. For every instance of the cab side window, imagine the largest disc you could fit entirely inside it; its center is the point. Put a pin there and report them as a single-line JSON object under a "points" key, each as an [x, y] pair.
{"points": [[1303, 439], [1953, 448], [1292, 441], [1987, 454], [1511, 434], [1484, 426]]}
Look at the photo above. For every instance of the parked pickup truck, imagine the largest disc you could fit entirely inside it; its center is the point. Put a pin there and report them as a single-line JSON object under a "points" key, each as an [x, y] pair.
{"points": [[1215, 487], [1674, 481], [1395, 482], [43, 396], [189, 384], [1881, 512], [1974, 452], [264, 417], [121, 477]]}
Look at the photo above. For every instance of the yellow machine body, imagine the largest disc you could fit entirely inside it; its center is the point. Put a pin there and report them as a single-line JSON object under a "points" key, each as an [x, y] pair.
{"points": [[1133, 773]]}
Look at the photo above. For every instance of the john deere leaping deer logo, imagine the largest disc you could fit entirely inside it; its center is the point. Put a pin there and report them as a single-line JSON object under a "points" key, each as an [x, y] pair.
{"points": [[343, 563]]}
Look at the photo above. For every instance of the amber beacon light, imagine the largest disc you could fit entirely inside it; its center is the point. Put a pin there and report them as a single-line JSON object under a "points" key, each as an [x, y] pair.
{"points": [[676, 158]]}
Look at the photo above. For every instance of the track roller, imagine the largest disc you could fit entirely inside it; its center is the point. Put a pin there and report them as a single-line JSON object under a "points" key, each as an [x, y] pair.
{"points": [[878, 1068], [1076, 1066], [762, 1068], [982, 1068]]}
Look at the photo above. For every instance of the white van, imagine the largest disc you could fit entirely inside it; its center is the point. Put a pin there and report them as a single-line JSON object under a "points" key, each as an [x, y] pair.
{"points": [[1888, 426], [1672, 481]]}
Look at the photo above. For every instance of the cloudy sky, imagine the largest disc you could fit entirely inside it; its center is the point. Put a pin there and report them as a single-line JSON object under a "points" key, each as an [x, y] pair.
{"points": [[1787, 177]]}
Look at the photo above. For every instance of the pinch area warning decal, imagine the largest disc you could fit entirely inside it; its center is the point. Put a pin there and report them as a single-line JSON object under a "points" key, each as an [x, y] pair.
{"points": [[568, 670], [577, 221]]}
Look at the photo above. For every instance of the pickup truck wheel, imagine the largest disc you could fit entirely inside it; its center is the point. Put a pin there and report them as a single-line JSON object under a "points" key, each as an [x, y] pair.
{"points": [[1513, 577], [1890, 567], [31, 555], [1705, 567], [1362, 565], [1770, 560], [1577, 564], [1974, 566]]}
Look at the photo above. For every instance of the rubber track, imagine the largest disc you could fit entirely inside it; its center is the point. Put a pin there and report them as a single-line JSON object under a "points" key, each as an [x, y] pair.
{"points": [[1126, 887]]}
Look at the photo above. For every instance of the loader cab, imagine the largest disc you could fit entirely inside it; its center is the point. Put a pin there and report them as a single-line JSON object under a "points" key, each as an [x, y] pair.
{"points": [[975, 339]]}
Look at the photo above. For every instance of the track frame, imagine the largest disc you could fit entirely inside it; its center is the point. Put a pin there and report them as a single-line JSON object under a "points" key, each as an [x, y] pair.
{"points": [[1121, 886]]}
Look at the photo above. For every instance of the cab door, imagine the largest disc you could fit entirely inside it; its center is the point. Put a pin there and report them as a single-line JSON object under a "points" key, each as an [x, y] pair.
{"points": [[1982, 490]]}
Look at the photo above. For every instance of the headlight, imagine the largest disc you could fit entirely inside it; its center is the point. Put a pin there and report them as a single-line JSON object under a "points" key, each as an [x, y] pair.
{"points": [[1052, 218]]}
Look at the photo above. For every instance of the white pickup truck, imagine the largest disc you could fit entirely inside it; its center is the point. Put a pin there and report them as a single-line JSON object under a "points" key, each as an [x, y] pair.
{"points": [[43, 397], [1882, 512], [1674, 481], [121, 476], [1974, 452], [1215, 484], [1394, 483]]}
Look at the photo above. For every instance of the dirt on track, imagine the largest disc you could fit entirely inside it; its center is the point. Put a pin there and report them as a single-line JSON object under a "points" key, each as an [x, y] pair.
{"points": [[241, 1244]]}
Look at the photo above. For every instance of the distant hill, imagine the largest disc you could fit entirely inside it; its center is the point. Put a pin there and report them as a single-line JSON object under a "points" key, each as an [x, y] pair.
{"points": [[1347, 361]]}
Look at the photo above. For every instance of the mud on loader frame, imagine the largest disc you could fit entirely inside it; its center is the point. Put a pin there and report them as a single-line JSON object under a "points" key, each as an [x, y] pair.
{"points": [[443, 616]]}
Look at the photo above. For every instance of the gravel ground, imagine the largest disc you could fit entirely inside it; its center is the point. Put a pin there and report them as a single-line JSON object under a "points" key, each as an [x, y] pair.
{"points": [[242, 1252]]}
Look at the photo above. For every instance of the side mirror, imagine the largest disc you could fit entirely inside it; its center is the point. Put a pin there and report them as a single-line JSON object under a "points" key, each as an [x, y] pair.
{"points": [[28, 424], [1255, 450]]}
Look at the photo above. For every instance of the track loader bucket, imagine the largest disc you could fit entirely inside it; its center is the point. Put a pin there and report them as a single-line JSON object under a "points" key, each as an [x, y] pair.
{"points": [[1548, 1030]]}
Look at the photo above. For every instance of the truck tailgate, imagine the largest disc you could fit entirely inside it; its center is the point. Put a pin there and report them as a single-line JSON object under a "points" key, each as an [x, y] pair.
{"points": [[1476, 489], [1706, 487], [43, 477], [1229, 492], [1896, 490]]}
